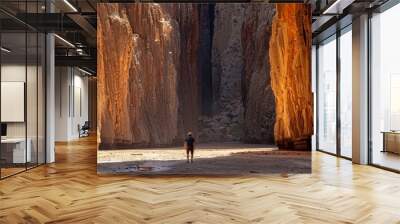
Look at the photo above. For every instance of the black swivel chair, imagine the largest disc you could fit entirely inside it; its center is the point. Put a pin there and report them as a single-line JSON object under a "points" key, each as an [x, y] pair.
{"points": [[84, 130]]}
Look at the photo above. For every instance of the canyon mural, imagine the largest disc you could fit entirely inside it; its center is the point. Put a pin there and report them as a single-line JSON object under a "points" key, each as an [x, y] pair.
{"points": [[226, 72]]}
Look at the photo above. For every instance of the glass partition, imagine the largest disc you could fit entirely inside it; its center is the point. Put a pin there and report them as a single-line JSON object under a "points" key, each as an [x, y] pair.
{"points": [[14, 151], [22, 88]]}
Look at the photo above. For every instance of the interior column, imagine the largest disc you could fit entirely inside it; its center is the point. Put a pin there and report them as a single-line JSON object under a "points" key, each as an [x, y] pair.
{"points": [[50, 92], [360, 90]]}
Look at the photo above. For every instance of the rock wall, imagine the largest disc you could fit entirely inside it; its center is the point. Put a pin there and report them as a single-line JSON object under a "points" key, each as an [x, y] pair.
{"points": [[243, 101], [207, 13], [290, 52], [114, 59], [227, 72], [187, 16], [258, 97], [225, 119], [147, 73]]}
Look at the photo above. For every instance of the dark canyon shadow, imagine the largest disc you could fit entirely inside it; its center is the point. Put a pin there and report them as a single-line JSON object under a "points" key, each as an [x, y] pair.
{"points": [[236, 164]]}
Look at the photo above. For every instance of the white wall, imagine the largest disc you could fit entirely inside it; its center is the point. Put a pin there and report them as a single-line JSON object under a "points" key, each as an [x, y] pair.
{"points": [[62, 82], [80, 110], [71, 102]]}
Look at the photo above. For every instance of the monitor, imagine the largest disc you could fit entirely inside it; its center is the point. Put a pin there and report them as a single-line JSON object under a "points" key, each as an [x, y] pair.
{"points": [[3, 129]]}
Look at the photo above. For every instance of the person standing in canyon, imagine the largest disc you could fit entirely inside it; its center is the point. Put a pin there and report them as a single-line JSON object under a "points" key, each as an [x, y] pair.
{"points": [[189, 145]]}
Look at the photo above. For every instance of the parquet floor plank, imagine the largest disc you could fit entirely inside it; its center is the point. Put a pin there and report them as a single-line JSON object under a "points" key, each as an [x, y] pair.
{"points": [[70, 191]]}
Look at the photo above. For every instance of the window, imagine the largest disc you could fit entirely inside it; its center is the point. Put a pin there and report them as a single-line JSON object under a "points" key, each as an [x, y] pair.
{"points": [[346, 93], [385, 89], [327, 95]]}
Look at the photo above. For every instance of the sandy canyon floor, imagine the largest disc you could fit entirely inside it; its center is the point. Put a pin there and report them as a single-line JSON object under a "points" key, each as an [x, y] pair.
{"points": [[210, 159]]}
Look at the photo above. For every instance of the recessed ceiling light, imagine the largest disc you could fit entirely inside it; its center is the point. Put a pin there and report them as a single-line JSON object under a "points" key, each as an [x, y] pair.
{"points": [[70, 5], [337, 7], [65, 41], [84, 71], [5, 50]]}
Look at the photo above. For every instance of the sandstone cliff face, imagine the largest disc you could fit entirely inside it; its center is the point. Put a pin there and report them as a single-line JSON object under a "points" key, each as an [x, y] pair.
{"points": [[187, 16], [290, 50], [227, 72], [147, 73], [226, 117], [114, 59], [258, 97], [243, 101]]}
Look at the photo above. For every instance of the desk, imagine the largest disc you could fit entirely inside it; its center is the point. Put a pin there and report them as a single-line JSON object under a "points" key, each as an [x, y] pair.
{"points": [[391, 141], [13, 150]]}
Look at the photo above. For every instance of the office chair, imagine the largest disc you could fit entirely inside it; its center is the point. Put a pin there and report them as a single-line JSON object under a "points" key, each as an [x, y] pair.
{"points": [[84, 130]]}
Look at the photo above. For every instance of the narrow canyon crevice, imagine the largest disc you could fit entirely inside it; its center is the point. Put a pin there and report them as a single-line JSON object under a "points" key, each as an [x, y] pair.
{"points": [[243, 104], [226, 117], [258, 97]]}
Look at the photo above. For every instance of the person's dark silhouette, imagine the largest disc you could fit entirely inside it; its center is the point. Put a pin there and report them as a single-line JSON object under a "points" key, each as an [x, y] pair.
{"points": [[189, 145]]}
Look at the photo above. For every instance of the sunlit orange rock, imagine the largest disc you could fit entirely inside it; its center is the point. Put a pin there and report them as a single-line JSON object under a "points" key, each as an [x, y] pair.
{"points": [[289, 55], [147, 69]]}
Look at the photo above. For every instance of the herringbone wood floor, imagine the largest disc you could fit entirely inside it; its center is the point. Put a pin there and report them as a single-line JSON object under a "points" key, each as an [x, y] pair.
{"points": [[70, 191]]}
